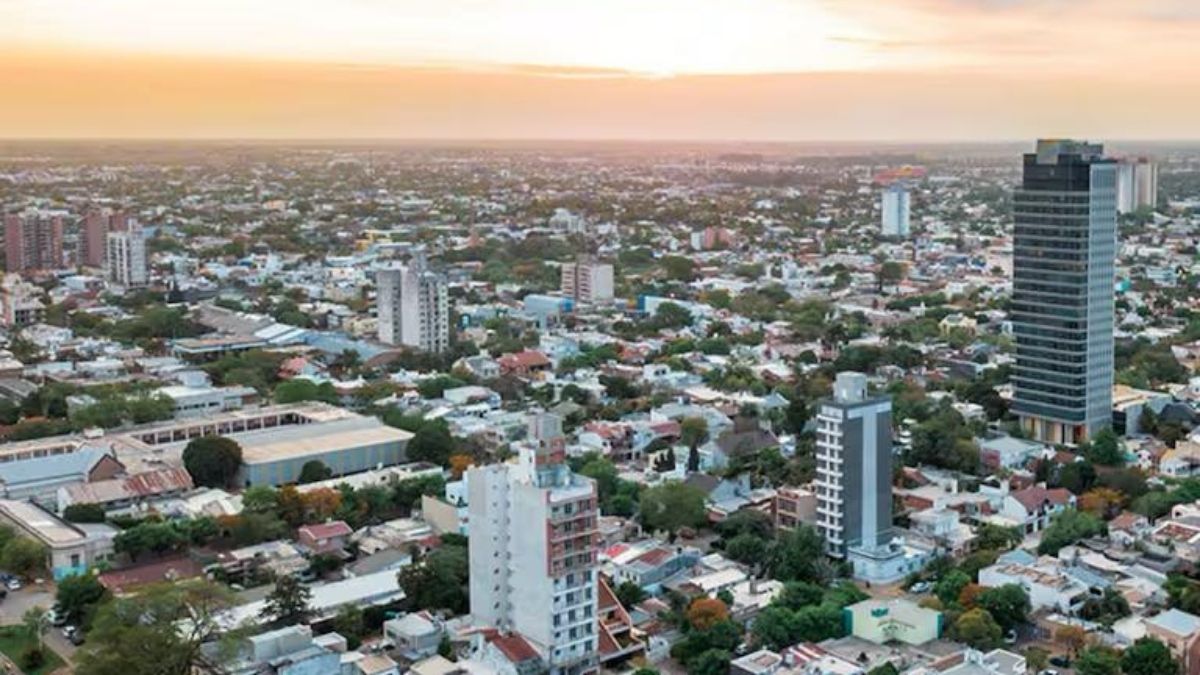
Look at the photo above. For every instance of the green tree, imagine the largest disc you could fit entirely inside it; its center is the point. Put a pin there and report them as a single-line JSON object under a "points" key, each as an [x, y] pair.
{"points": [[992, 536], [1148, 656], [799, 555], [948, 588], [693, 431], [85, 513], [287, 603], [978, 629], [158, 631], [1098, 660], [799, 594], [260, 499], [350, 625], [1069, 527], [671, 506], [439, 581], [678, 268], [78, 596], [629, 594], [314, 470], [431, 443], [710, 662], [1105, 449], [746, 548], [24, 557], [212, 461], [1008, 605], [301, 389], [775, 628], [36, 622], [1037, 659]]}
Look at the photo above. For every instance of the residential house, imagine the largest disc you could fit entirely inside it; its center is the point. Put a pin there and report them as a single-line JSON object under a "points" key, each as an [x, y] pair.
{"points": [[325, 538], [1033, 508]]}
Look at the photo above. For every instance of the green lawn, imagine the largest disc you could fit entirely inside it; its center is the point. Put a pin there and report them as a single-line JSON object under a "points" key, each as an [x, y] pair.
{"points": [[14, 640]]}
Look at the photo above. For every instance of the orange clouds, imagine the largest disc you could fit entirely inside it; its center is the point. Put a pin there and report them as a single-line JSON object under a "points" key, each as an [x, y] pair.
{"points": [[146, 97]]}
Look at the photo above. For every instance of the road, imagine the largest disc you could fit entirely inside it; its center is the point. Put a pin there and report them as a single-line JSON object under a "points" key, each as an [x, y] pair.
{"points": [[14, 606]]}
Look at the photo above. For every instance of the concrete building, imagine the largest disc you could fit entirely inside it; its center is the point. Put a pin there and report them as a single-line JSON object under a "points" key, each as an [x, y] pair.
{"points": [[70, 549], [93, 235], [1137, 184], [1043, 580], [33, 241], [893, 620], [125, 257], [854, 482], [413, 308], [345, 446], [291, 650], [533, 550], [1064, 245], [193, 401], [20, 302], [586, 280], [40, 479], [1180, 632], [895, 211]]}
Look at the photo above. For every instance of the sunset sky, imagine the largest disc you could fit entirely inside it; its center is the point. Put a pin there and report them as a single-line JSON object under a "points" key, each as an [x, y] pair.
{"points": [[637, 69]]}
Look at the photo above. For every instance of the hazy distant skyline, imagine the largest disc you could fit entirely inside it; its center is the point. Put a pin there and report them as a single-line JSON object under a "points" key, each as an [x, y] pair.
{"points": [[901, 70]]}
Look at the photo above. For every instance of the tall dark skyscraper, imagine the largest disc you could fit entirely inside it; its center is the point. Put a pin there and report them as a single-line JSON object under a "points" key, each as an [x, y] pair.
{"points": [[1064, 245]]}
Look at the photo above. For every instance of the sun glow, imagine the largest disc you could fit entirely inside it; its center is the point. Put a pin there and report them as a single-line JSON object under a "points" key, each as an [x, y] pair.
{"points": [[654, 37]]}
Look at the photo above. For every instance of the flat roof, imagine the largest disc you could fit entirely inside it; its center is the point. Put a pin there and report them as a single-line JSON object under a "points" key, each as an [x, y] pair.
{"points": [[308, 439], [44, 524]]}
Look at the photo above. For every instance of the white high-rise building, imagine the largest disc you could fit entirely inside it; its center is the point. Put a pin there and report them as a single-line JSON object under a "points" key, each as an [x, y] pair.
{"points": [[125, 257], [413, 308], [1137, 184], [533, 550], [895, 211], [587, 280], [854, 482]]}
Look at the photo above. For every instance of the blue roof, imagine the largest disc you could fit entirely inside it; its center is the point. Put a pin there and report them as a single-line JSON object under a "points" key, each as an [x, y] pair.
{"points": [[1018, 556], [53, 466]]}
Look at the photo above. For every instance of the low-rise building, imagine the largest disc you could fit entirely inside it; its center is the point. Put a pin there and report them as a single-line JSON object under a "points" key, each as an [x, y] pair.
{"points": [[899, 620], [127, 492], [70, 548], [1047, 585]]}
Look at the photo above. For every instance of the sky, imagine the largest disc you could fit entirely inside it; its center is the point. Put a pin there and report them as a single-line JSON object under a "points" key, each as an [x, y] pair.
{"points": [[769, 70]]}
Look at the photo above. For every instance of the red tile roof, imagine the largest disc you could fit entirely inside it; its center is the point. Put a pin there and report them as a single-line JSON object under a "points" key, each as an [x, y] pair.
{"points": [[131, 578], [336, 528], [1032, 498], [527, 359], [516, 649]]}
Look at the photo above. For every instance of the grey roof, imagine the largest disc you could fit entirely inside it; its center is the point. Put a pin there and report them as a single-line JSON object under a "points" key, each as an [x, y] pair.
{"points": [[1177, 621], [53, 466], [1018, 556]]}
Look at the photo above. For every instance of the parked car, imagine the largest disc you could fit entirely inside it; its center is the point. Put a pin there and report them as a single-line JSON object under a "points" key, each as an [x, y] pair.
{"points": [[13, 584], [56, 617], [1060, 661], [1010, 638], [920, 587]]}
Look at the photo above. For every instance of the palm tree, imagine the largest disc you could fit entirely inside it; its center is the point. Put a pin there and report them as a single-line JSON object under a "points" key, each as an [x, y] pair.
{"points": [[36, 621]]}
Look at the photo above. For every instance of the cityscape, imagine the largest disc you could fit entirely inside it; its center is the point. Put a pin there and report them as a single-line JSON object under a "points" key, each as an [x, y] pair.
{"points": [[657, 382]]}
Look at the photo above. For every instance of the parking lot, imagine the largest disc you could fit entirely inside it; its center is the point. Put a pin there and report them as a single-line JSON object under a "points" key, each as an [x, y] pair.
{"points": [[14, 606]]}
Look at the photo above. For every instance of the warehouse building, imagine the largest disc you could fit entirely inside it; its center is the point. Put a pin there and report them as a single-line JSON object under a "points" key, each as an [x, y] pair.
{"points": [[346, 446]]}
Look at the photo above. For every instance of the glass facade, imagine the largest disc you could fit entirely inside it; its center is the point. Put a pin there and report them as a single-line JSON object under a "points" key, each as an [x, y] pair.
{"points": [[1064, 245]]}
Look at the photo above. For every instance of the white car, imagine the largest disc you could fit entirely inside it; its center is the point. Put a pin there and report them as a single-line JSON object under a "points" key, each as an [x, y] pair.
{"points": [[13, 584]]}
